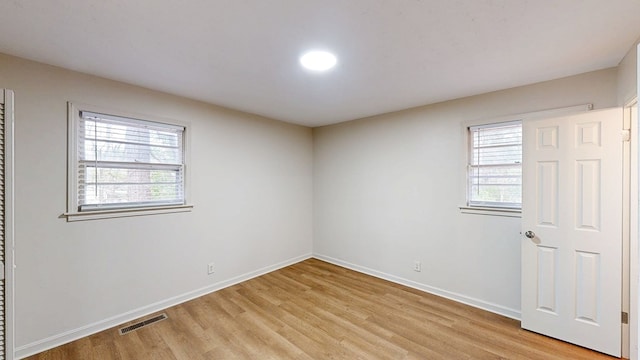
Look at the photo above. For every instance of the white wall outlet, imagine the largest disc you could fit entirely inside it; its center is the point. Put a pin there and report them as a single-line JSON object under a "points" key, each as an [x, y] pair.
{"points": [[417, 266], [211, 268]]}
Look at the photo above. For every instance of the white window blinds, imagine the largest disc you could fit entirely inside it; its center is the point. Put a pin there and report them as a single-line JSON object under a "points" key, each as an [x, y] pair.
{"points": [[495, 165], [124, 162]]}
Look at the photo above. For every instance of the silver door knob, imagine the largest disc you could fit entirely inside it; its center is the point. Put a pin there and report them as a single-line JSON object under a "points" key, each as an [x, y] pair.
{"points": [[530, 234]]}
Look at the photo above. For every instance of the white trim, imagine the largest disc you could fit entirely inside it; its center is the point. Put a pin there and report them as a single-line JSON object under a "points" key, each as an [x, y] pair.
{"points": [[467, 300], [491, 211], [634, 248], [496, 124], [634, 238], [74, 334], [72, 166], [628, 189], [124, 212], [9, 284]]}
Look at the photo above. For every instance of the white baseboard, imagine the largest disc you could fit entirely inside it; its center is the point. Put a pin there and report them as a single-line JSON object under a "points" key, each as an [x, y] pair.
{"points": [[481, 304], [71, 335]]}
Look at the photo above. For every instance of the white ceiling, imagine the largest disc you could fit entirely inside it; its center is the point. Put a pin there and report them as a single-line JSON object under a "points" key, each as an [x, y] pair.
{"points": [[392, 54]]}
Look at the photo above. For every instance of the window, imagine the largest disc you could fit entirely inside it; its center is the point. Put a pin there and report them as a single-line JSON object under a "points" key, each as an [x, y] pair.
{"points": [[121, 163], [495, 165]]}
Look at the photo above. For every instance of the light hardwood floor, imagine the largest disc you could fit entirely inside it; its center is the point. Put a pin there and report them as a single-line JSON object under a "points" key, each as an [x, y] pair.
{"points": [[315, 310]]}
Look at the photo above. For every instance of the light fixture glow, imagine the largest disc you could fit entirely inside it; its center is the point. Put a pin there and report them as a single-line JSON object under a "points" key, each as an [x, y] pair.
{"points": [[318, 60]]}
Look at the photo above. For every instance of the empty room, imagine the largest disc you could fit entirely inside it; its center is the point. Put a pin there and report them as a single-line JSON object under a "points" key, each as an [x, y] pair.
{"points": [[284, 179]]}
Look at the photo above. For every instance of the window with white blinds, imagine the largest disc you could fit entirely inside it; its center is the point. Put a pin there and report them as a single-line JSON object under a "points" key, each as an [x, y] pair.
{"points": [[495, 165], [124, 163]]}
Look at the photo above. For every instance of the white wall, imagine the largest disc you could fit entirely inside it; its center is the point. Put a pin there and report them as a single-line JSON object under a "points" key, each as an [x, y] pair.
{"points": [[628, 75], [251, 186], [387, 191]]}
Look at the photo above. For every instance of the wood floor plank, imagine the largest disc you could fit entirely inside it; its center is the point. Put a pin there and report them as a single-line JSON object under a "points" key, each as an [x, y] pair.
{"points": [[316, 310]]}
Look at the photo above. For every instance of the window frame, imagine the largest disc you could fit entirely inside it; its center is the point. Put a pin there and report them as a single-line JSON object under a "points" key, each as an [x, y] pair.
{"points": [[73, 213], [504, 206]]}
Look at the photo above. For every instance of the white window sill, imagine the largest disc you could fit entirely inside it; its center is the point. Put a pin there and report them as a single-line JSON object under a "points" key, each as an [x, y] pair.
{"points": [[116, 213], [491, 211]]}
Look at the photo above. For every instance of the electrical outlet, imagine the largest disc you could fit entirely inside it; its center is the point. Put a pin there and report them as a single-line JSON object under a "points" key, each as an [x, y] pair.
{"points": [[417, 266], [211, 268]]}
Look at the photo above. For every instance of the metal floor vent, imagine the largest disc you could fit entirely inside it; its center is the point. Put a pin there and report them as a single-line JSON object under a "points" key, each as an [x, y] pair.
{"points": [[141, 324]]}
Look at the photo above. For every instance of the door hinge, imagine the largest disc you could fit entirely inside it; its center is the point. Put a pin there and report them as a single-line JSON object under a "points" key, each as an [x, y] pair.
{"points": [[626, 135], [625, 317]]}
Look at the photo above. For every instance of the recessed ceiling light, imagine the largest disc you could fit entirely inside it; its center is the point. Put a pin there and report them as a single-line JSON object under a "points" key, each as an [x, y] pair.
{"points": [[318, 60]]}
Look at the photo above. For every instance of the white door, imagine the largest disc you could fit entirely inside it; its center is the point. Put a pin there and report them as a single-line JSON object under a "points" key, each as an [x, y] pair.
{"points": [[572, 228]]}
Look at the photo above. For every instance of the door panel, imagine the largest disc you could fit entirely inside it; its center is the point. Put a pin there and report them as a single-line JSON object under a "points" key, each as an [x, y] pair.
{"points": [[572, 204], [547, 294], [547, 191]]}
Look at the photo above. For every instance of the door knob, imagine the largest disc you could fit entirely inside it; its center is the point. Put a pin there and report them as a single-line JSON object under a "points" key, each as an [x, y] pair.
{"points": [[530, 234]]}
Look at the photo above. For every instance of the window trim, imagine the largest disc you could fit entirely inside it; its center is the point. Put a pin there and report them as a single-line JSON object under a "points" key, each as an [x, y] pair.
{"points": [[73, 117], [524, 117]]}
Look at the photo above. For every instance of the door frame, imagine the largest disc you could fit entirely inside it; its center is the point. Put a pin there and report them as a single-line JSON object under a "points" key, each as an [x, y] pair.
{"points": [[634, 214], [630, 295], [630, 230], [9, 267]]}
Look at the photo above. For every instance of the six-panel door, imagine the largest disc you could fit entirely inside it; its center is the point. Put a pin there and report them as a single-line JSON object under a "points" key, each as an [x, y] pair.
{"points": [[572, 204]]}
